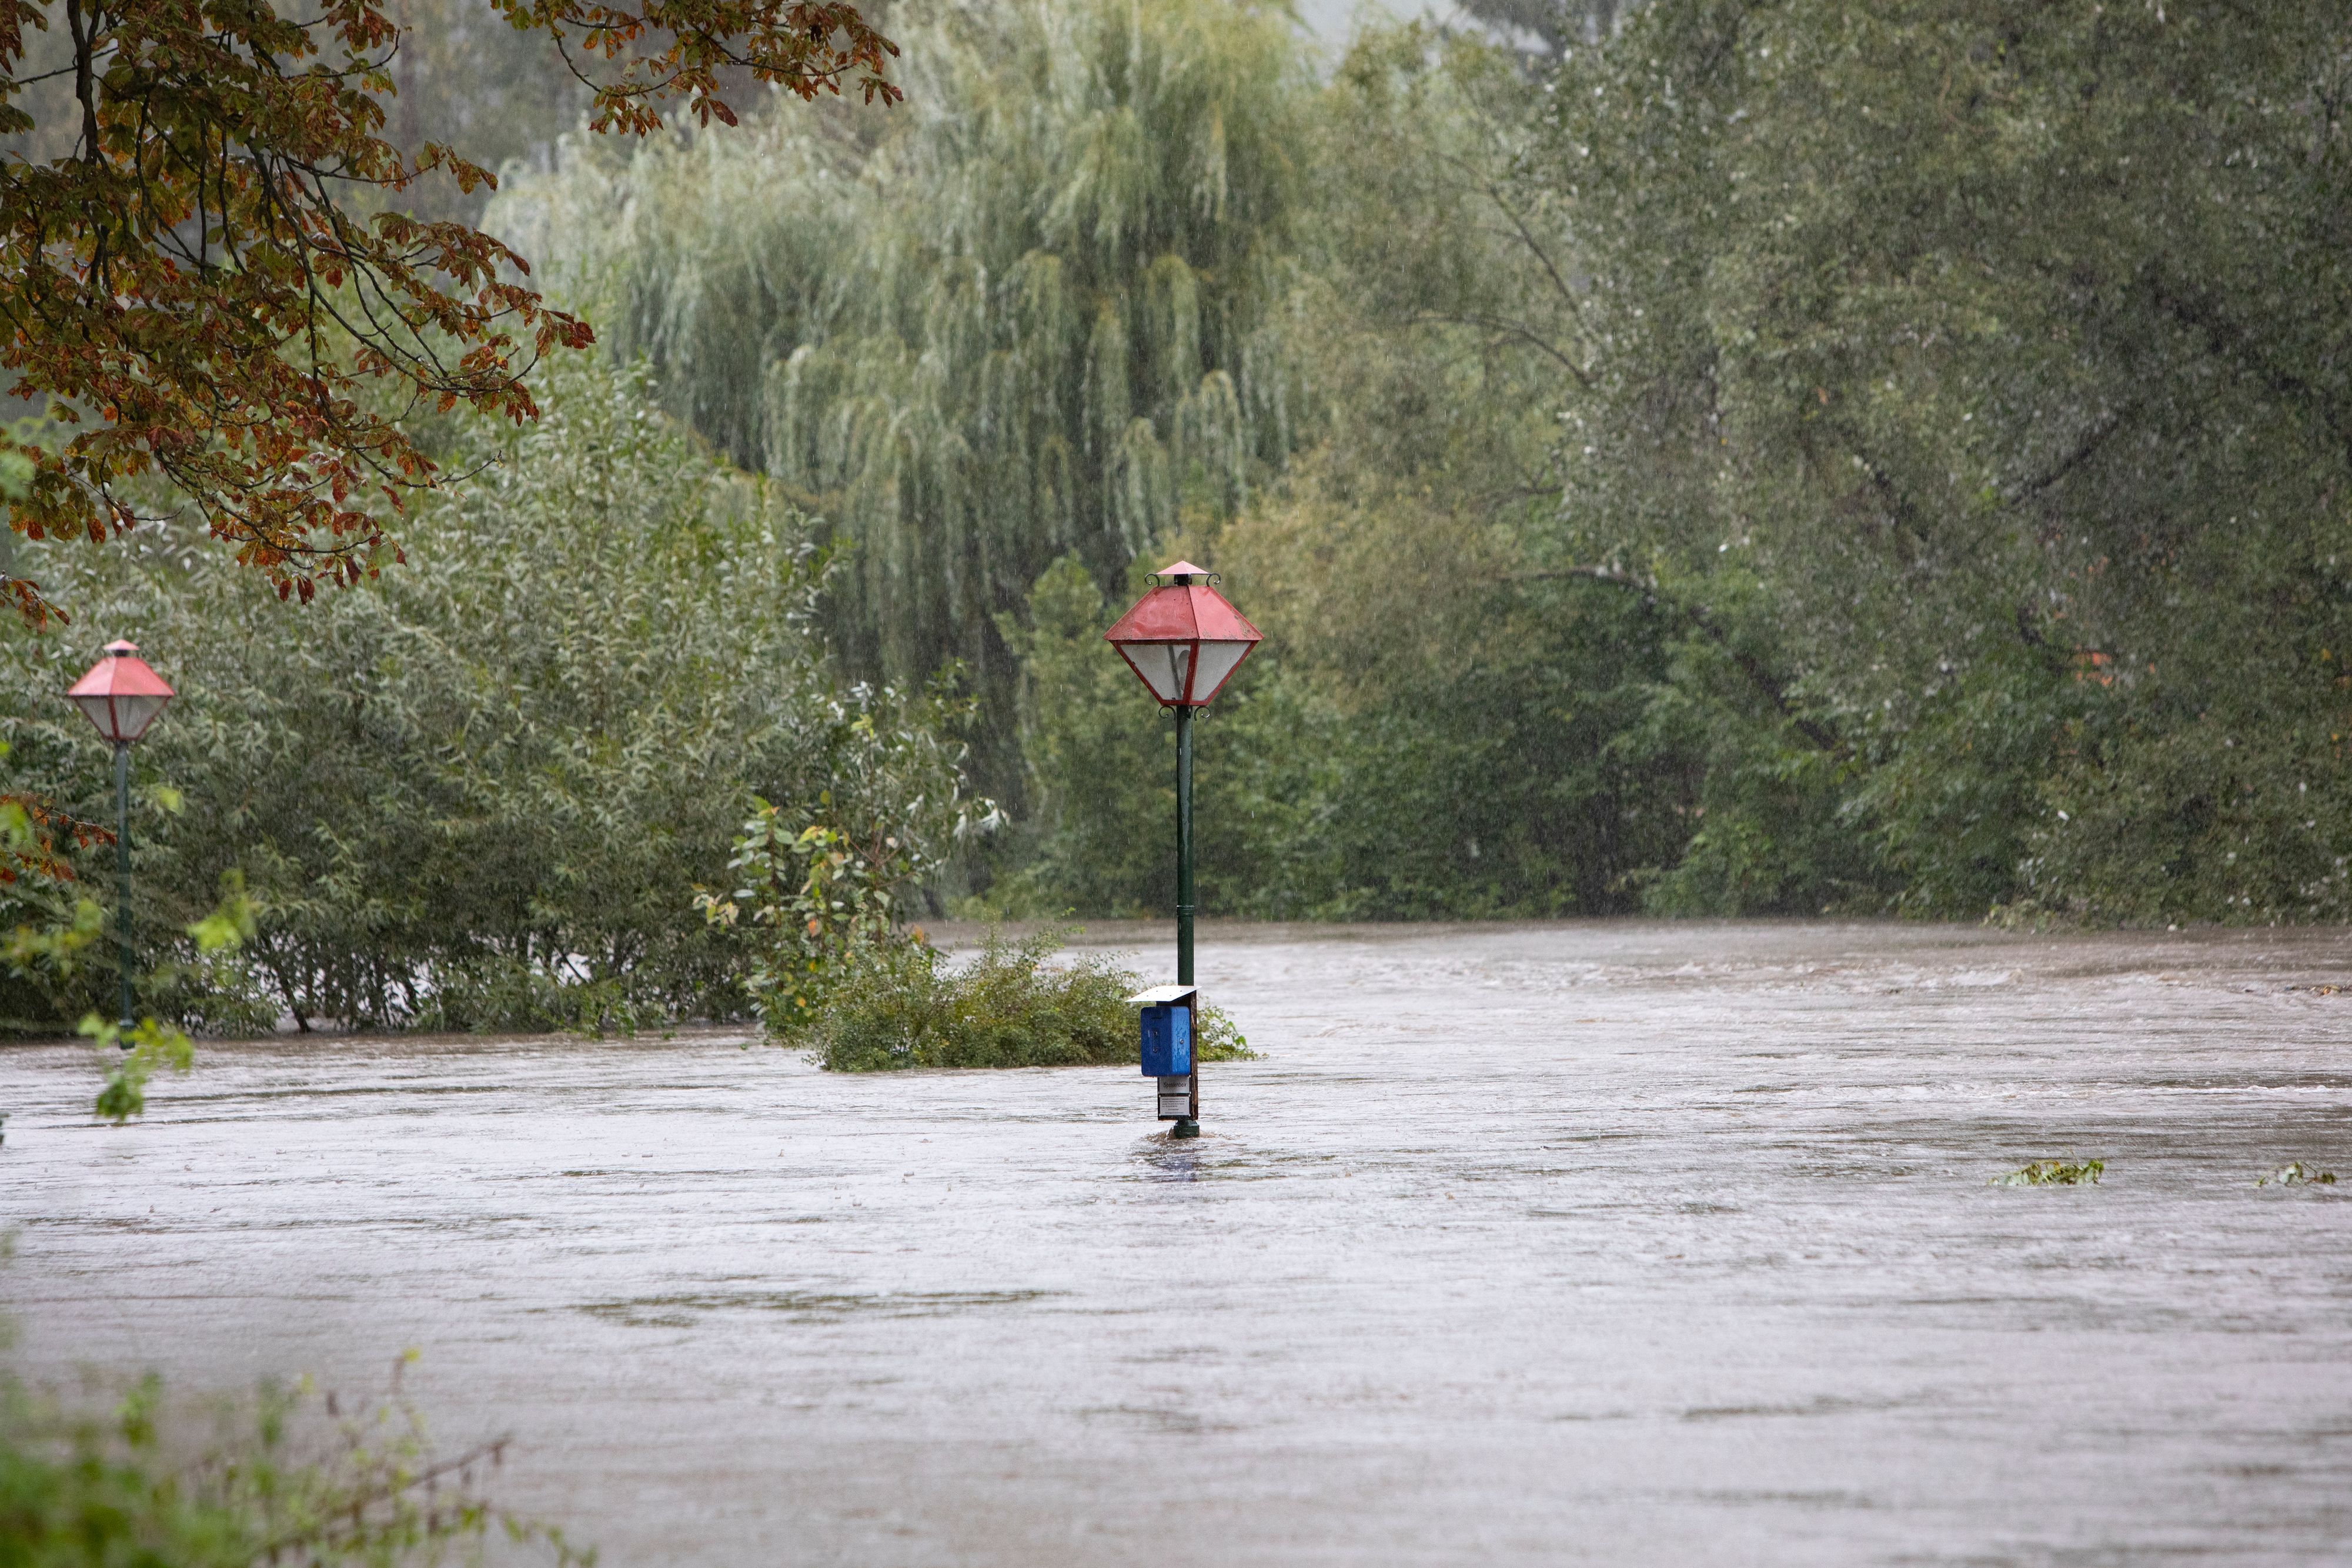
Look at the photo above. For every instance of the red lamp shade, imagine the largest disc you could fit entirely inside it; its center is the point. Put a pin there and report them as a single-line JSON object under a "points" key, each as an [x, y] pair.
{"points": [[1183, 639], [121, 694]]}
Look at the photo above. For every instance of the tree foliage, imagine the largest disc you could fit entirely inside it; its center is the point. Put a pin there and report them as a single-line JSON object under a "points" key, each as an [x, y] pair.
{"points": [[1984, 360], [1041, 313], [480, 790], [1763, 455], [1949, 394], [820, 882], [200, 285], [1441, 720]]}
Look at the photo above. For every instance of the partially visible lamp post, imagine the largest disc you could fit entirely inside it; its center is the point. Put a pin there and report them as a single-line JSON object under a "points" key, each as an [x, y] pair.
{"points": [[121, 696], [1184, 642]]}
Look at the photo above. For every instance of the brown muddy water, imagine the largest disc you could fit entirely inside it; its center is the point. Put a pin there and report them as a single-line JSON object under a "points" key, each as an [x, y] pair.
{"points": [[1602, 1243]]}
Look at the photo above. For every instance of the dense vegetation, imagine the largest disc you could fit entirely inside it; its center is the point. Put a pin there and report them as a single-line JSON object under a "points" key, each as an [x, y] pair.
{"points": [[480, 790], [1980, 368], [1727, 456], [1780, 457], [210, 280], [1038, 314]]}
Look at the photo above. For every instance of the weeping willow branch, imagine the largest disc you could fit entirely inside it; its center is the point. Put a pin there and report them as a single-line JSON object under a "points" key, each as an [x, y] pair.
{"points": [[1044, 314]]}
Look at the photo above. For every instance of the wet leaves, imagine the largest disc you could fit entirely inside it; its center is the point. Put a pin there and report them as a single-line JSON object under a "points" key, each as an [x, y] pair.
{"points": [[219, 272], [2297, 1175]]}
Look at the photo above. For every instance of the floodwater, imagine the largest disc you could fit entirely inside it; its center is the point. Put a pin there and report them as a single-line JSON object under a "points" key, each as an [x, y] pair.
{"points": [[1624, 1243]]}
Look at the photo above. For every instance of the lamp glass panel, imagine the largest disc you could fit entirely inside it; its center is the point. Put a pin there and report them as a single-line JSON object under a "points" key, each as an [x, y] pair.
{"points": [[135, 713], [101, 710], [1163, 666], [1217, 662]]}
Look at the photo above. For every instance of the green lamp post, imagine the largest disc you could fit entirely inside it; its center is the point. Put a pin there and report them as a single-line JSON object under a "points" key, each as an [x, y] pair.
{"points": [[1184, 642], [121, 696]]}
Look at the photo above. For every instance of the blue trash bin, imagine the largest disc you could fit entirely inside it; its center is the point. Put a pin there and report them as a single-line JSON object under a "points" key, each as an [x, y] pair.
{"points": [[1167, 1042]]}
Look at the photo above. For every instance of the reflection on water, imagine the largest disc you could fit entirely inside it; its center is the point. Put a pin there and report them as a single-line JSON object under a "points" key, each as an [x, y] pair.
{"points": [[1630, 1242], [1166, 1158]]}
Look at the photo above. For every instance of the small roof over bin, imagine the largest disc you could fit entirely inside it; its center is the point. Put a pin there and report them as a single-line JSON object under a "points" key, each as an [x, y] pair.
{"points": [[1166, 997]]}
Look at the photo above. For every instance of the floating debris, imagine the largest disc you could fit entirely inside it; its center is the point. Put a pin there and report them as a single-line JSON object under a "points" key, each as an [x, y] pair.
{"points": [[2053, 1173], [2297, 1175]]}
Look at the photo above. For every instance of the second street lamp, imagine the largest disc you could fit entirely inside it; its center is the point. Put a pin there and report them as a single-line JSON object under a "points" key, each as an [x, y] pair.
{"points": [[1184, 642], [121, 696]]}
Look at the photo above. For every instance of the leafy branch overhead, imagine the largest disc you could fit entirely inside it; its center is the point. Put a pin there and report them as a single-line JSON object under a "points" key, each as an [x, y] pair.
{"points": [[212, 288]]}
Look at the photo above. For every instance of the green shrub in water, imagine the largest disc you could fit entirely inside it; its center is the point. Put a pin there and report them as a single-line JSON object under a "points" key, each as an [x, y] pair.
{"points": [[2297, 1175], [901, 1005], [270, 1482], [2053, 1173]]}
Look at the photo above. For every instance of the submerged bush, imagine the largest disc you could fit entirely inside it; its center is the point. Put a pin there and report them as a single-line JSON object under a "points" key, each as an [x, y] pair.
{"points": [[2053, 1173], [901, 1005], [823, 880]]}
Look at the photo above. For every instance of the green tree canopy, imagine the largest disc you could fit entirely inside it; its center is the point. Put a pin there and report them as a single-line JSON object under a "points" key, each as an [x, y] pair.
{"points": [[1983, 363], [1952, 395], [480, 789], [1041, 311]]}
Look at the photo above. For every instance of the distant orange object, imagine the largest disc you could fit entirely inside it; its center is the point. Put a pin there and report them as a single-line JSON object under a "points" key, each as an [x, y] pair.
{"points": [[2093, 666]]}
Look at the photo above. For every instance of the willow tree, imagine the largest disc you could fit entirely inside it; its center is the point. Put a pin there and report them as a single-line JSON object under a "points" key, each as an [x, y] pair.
{"points": [[1040, 312]]}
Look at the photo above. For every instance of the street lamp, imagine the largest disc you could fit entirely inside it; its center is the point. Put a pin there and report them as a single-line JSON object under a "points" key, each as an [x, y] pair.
{"points": [[121, 696], [1183, 642]]}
